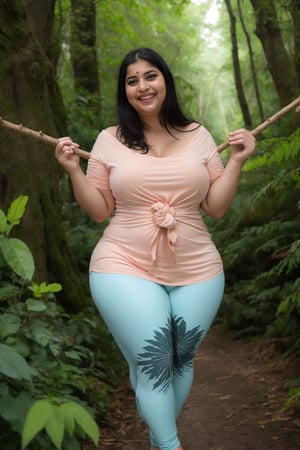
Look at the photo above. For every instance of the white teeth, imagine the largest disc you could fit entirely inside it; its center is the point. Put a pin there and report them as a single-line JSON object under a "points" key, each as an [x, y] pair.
{"points": [[147, 97]]}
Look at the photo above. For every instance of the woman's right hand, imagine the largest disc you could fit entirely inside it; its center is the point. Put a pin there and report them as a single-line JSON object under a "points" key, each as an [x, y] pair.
{"points": [[64, 153]]}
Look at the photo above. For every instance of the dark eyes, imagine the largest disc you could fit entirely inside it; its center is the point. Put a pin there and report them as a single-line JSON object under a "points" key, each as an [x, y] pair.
{"points": [[132, 82], [148, 77], [151, 76]]}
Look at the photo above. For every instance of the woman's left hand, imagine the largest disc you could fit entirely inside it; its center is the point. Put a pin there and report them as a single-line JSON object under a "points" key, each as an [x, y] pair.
{"points": [[242, 144]]}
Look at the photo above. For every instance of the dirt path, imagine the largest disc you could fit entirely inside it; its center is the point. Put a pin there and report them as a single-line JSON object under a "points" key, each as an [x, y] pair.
{"points": [[234, 404]]}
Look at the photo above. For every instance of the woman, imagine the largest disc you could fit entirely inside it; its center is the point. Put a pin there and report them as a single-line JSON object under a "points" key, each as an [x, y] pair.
{"points": [[155, 275]]}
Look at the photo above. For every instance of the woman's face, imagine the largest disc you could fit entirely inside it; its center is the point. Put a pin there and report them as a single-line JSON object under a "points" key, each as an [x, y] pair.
{"points": [[145, 88]]}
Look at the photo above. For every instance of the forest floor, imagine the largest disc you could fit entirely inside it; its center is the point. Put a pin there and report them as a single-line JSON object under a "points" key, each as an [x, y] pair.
{"points": [[235, 403]]}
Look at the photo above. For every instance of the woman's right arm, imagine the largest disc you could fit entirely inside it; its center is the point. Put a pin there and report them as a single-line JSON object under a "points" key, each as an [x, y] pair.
{"points": [[97, 204]]}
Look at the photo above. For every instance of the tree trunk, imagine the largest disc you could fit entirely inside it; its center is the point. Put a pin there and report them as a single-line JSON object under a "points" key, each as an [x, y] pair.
{"points": [[237, 69], [84, 54], [29, 95], [280, 64], [252, 64], [40, 14], [295, 13]]}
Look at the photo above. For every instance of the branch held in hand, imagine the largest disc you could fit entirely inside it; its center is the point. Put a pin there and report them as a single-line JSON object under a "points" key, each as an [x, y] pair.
{"points": [[269, 121], [84, 154], [40, 136]]}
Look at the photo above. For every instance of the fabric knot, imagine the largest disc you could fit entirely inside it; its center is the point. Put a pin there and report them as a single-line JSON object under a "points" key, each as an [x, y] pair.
{"points": [[163, 215]]}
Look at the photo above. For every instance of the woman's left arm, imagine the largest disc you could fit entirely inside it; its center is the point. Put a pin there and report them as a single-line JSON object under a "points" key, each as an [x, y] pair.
{"points": [[223, 189]]}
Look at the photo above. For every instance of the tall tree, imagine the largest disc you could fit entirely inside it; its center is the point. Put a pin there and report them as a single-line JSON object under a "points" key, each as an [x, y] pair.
{"points": [[237, 70], [294, 6], [41, 17], [84, 53], [29, 95], [252, 64], [280, 64]]}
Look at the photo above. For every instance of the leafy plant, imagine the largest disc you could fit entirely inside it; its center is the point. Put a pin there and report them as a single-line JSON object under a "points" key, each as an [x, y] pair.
{"points": [[47, 357], [57, 419], [15, 252], [260, 246], [293, 398]]}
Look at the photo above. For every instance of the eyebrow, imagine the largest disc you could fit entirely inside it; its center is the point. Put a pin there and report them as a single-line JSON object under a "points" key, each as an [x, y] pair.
{"points": [[133, 77]]}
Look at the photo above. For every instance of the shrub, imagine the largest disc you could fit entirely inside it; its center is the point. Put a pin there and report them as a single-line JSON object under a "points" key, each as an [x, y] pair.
{"points": [[52, 364]]}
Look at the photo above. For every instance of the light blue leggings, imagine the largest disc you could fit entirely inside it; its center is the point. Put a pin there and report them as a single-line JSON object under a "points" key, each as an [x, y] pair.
{"points": [[158, 329]]}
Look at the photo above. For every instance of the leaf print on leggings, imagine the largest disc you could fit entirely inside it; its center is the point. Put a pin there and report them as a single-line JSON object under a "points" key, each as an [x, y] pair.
{"points": [[157, 359], [185, 344]]}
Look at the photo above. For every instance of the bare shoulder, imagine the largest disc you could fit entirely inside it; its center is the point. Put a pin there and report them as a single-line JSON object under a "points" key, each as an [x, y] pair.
{"points": [[112, 130]]}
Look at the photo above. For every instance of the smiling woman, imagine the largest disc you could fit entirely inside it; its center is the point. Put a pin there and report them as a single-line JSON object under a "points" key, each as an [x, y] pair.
{"points": [[156, 276], [145, 89]]}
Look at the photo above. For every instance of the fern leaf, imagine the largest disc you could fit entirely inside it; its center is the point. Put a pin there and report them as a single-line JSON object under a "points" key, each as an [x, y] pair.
{"points": [[17, 209]]}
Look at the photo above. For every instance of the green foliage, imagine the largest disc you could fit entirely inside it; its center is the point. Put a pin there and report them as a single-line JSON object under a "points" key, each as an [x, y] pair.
{"points": [[15, 252], [260, 245], [82, 233], [14, 214], [12, 364], [48, 357], [293, 399], [58, 419]]}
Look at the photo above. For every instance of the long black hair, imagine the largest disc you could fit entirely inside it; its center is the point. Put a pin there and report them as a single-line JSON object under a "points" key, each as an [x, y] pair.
{"points": [[130, 130]]}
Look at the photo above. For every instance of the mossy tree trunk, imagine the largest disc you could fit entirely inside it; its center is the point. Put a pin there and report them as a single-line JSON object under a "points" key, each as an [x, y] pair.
{"points": [[29, 95], [237, 69], [280, 64], [294, 7], [40, 14], [84, 54]]}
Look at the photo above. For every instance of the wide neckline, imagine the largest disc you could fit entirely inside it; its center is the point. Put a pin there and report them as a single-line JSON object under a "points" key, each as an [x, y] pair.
{"points": [[148, 155]]}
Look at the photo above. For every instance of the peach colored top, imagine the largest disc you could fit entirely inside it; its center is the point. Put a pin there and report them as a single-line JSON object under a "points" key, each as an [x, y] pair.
{"points": [[157, 231]]}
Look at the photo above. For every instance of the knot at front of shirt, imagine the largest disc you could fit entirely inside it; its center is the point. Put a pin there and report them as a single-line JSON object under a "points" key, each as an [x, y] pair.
{"points": [[163, 217]]}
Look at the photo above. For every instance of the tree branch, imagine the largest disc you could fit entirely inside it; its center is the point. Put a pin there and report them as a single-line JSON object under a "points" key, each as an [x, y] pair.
{"points": [[268, 122], [39, 135]]}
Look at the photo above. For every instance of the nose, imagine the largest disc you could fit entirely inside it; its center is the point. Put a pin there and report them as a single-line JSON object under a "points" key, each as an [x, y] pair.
{"points": [[143, 85]]}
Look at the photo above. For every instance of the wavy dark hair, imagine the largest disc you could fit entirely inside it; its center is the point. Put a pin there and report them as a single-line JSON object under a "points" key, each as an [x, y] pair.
{"points": [[130, 129]]}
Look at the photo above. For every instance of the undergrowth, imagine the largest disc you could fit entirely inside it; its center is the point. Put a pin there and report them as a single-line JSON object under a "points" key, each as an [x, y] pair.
{"points": [[57, 371], [260, 244]]}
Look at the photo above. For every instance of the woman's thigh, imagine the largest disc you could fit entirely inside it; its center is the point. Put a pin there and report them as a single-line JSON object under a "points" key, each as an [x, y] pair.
{"points": [[134, 309], [197, 303], [193, 310]]}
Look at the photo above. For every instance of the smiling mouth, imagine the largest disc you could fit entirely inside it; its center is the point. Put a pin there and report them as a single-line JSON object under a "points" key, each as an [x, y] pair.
{"points": [[146, 98]]}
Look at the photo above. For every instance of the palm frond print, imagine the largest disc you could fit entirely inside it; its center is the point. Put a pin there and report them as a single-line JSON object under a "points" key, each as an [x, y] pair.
{"points": [[185, 344], [172, 348], [157, 359]]}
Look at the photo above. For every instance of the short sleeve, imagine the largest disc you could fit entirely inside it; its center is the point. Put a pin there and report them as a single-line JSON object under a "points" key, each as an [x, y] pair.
{"points": [[214, 163], [97, 171], [215, 166]]}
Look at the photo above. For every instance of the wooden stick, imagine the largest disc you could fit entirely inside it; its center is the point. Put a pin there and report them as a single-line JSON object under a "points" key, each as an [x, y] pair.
{"points": [[83, 154], [40, 136], [268, 122]]}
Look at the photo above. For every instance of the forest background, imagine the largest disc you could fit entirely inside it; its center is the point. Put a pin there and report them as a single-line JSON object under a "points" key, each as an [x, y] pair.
{"points": [[235, 62]]}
